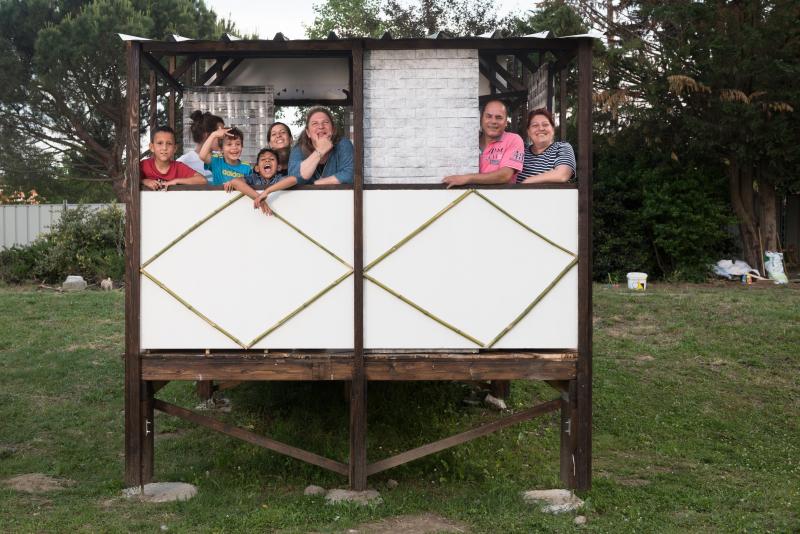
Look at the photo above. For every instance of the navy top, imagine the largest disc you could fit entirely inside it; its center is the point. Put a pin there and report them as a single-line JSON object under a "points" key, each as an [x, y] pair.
{"points": [[339, 164], [558, 153]]}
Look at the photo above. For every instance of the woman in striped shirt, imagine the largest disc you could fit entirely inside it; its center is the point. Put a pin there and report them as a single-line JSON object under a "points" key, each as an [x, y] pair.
{"points": [[545, 160]]}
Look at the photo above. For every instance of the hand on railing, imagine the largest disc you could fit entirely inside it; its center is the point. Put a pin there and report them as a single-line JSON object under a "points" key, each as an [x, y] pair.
{"points": [[260, 202]]}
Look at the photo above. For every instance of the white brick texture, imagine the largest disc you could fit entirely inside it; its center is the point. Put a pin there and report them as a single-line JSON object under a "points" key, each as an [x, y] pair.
{"points": [[421, 115]]}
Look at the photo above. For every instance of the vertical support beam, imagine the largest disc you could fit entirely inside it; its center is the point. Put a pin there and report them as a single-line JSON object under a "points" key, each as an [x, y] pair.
{"points": [[148, 437], [171, 104], [137, 449], [358, 388], [562, 103], [568, 441], [582, 425], [153, 110]]}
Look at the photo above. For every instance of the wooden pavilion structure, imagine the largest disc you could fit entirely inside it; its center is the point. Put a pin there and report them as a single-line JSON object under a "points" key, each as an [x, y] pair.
{"points": [[362, 355]]}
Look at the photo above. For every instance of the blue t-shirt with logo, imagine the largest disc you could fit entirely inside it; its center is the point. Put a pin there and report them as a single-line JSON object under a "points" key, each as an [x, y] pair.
{"points": [[223, 172]]}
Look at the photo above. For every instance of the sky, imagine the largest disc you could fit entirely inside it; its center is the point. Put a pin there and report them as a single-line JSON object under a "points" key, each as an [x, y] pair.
{"points": [[268, 17]]}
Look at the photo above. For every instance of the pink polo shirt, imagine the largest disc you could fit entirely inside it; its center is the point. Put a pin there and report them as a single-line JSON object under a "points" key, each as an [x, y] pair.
{"points": [[508, 151]]}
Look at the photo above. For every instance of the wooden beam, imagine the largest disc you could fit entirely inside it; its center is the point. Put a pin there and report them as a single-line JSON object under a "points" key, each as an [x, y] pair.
{"points": [[227, 71], [250, 437], [171, 101], [152, 110], [185, 66], [163, 72], [582, 424], [358, 385], [436, 446], [526, 62], [562, 104], [493, 82], [134, 389], [511, 81], [213, 70], [568, 435]]}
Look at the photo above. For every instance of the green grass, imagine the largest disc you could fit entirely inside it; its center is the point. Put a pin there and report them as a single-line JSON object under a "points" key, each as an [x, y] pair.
{"points": [[696, 410]]}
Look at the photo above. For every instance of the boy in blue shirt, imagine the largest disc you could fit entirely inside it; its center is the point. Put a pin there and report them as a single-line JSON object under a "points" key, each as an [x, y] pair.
{"points": [[224, 166]]}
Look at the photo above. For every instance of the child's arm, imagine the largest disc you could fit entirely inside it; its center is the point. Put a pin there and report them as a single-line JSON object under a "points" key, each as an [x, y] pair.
{"points": [[149, 183], [211, 141], [195, 179], [240, 185], [261, 200]]}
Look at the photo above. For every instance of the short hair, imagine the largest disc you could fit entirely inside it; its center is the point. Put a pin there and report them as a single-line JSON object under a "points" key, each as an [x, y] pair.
{"points": [[273, 125], [233, 133], [266, 151], [203, 123], [503, 102], [165, 129], [540, 111]]}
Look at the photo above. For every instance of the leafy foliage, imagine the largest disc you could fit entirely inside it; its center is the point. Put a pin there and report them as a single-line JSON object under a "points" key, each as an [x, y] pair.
{"points": [[82, 242]]}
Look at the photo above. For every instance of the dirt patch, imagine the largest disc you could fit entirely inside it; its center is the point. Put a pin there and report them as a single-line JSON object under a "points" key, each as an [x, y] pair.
{"points": [[36, 483], [644, 358], [410, 524]]}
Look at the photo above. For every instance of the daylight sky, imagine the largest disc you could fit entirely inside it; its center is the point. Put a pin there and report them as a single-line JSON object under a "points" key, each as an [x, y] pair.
{"points": [[266, 18]]}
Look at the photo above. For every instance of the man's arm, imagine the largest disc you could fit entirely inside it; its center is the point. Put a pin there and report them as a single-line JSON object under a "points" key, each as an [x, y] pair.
{"points": [[500, 176]]}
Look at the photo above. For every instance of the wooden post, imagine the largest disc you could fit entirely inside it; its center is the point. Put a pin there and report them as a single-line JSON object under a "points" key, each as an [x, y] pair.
{"points": [[562, 103], [171, 104], [582, 423], [138, 394], [153, 110], [358, 386], [568, 441]]}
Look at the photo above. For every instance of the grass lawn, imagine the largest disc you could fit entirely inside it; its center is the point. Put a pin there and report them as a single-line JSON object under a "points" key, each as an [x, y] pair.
{"points": [[696, 428]]}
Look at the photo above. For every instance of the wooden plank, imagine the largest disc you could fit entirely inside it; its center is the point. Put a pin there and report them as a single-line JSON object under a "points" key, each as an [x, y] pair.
{"points": [[230, 369], [374, 187], [162, 71], [582, 424], [358, 385], [567, 435], [436, 446], [227, 71], [148, 441], [476, 370], [134, 417], [153, 102], [250, 437], [204, 389], [171, 102], [178, 73], [511, 81], [562, 104], [213, 70]]}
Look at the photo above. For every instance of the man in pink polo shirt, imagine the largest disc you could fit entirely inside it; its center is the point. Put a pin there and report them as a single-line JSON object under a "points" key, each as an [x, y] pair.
{"points": [[502, 152]]}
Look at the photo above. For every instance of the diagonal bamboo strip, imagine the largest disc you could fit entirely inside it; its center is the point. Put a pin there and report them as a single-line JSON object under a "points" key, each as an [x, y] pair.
{"points": [[191, 229], [528, 228], [536, 301], [191, 308], [302, 233], [422, 227], [302, 307], [423, 310]]}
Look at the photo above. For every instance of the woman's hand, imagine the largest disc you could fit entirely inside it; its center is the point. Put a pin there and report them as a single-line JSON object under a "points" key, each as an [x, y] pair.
{"points": [[322, 143]]}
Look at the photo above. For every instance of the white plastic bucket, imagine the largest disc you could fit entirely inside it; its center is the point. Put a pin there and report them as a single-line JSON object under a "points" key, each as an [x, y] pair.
{"points": [[637, 281]]}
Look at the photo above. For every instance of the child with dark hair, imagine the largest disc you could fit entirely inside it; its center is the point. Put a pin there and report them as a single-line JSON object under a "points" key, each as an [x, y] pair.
{"points": [[160, 171], [203, 123], [265, 173], [224, 165]]}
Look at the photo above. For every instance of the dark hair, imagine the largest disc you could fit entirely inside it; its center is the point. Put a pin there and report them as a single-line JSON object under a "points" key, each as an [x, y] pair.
{"points": [[283, 155], [273, 125], [233, 133], [166, 129], [203, 123], [305, 142], [540, 111], [266, 151], [503, 102]]}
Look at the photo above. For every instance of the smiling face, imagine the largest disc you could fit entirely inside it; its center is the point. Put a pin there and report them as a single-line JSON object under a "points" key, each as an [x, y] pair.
{"points": [[319, 125], [279, 136], [541, 131], [267, 165], [163, 147], [231, 149], [493, 120]]}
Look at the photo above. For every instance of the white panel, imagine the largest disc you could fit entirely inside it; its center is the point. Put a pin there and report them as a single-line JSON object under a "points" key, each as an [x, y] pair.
{"points": [[394, 214], [551, 212], [474, 267], [246, 271], [391, 323]]}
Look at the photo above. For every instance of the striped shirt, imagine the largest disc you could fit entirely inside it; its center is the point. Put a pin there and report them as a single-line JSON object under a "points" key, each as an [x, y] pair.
{"points": [[558, 153]]}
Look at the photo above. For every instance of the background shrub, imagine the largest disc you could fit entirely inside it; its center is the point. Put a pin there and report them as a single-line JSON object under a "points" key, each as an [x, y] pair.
{"points": [[83, 242]]}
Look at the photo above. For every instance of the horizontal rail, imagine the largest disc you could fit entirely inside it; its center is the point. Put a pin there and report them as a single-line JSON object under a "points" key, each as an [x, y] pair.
{"points": [[250, 437], [469, 435], [246, 366]]}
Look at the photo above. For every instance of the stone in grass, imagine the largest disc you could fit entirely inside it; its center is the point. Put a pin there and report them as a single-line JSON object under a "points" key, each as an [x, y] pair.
{"points": [[313, 490], [336, 496], [392, 483], [162, 492], [74, 283], [555, 501], [494, 402], [579, 520]]}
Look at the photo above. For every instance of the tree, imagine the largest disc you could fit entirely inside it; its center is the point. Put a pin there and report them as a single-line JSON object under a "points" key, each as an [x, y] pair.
{"points": [[64, 88]]}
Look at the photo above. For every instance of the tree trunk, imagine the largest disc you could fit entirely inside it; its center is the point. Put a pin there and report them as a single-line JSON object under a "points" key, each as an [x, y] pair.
{"points": [[740, 181], [768, 215]]}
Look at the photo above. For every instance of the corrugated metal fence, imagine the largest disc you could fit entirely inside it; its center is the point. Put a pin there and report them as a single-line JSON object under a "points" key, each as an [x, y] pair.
{"points": [[21, 224]]}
